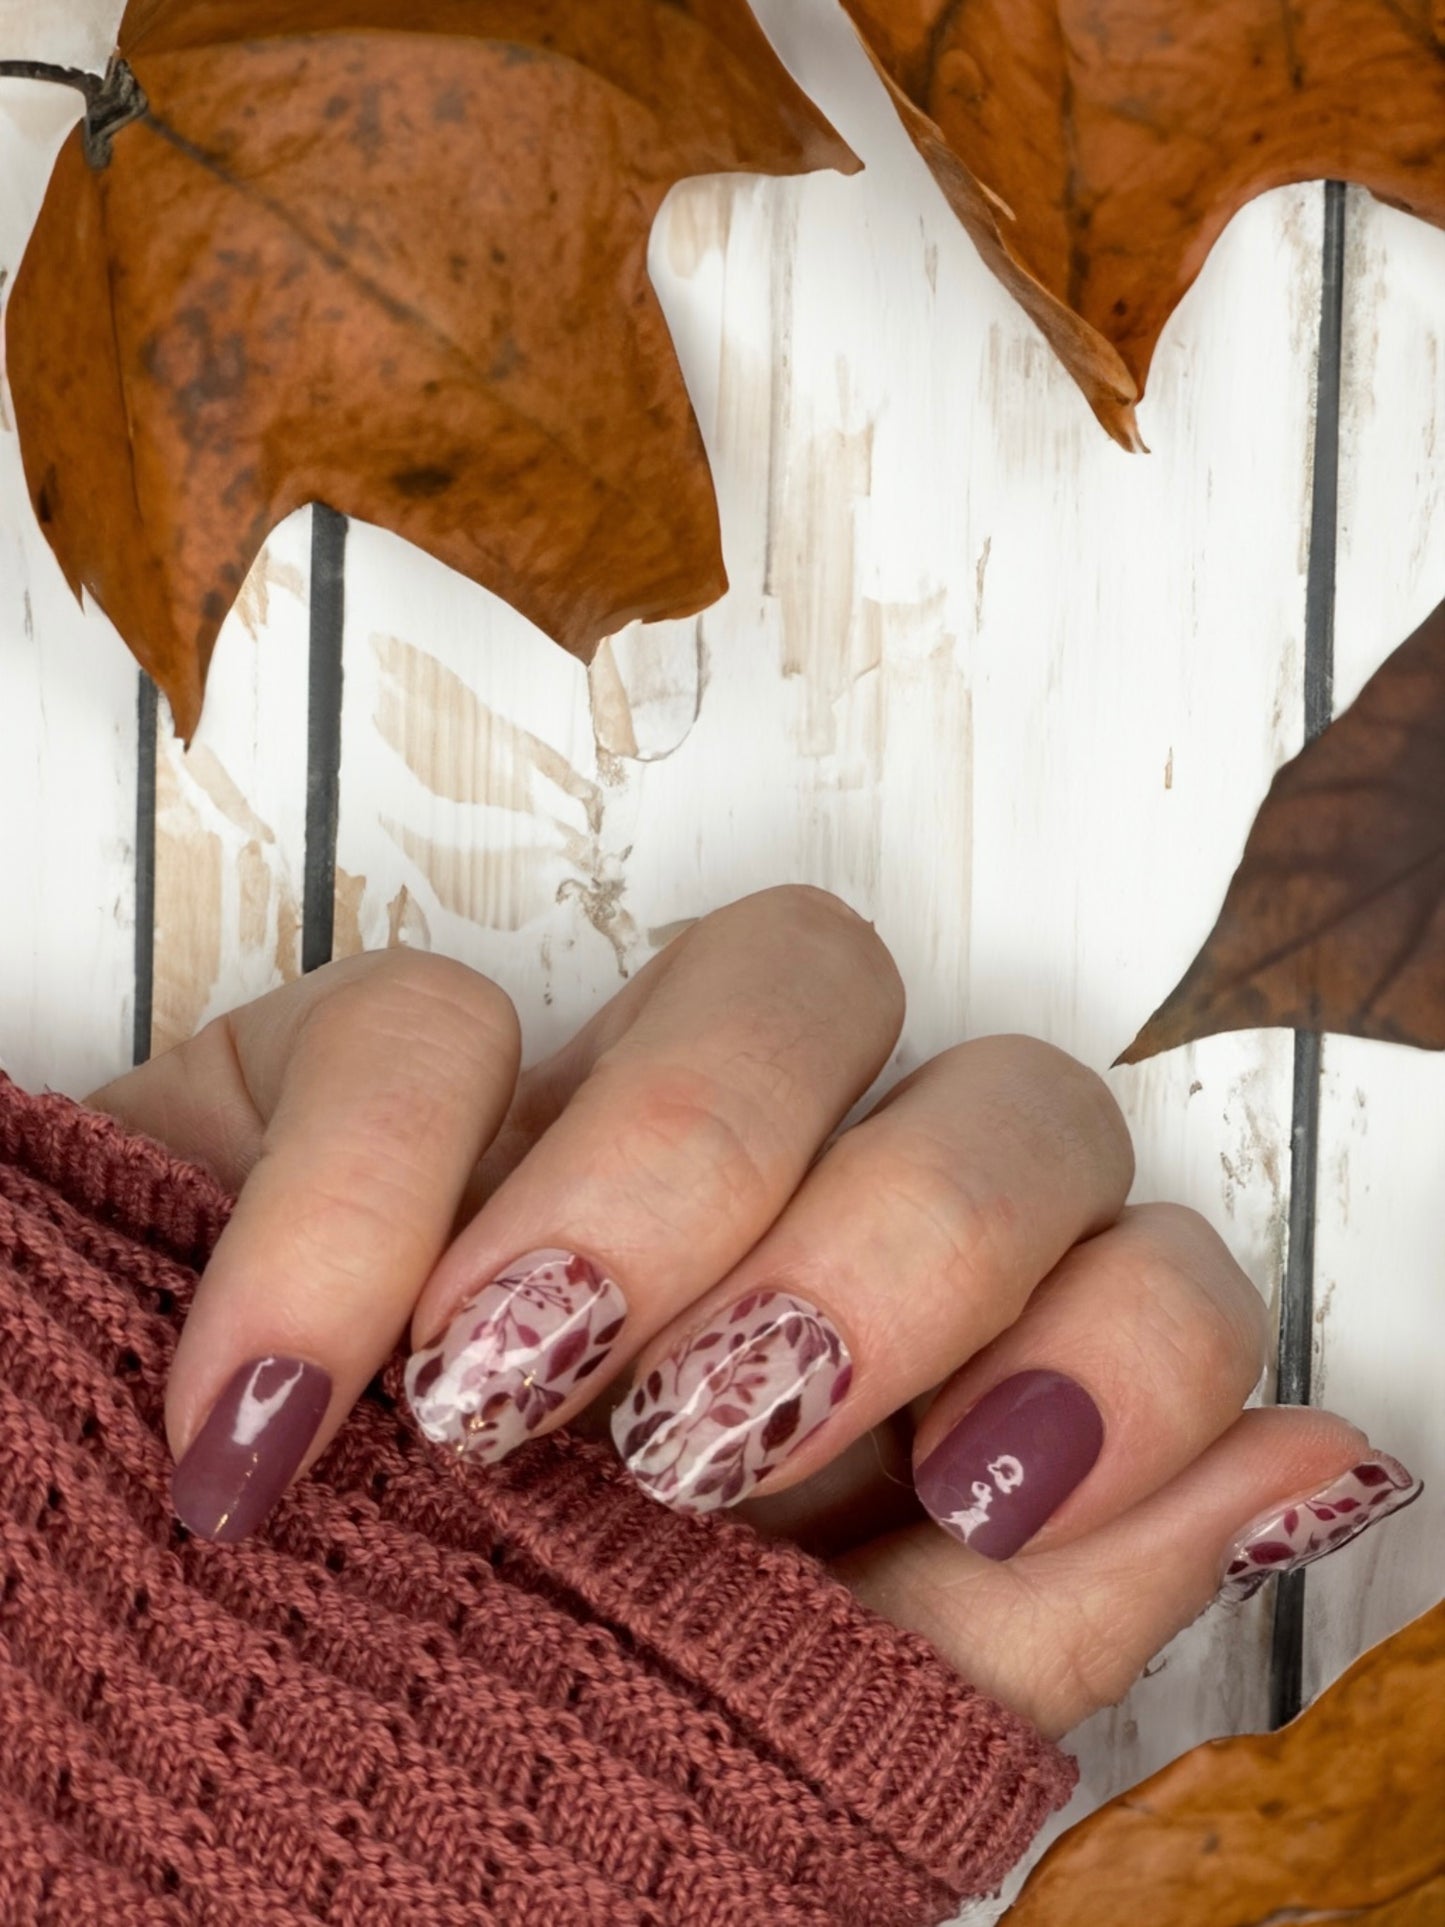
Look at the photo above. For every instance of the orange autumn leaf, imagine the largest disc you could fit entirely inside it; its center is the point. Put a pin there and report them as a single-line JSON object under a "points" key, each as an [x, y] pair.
{"points": [[1338, 1816], [1095, 149], [1424, 1907], [395, 260]]}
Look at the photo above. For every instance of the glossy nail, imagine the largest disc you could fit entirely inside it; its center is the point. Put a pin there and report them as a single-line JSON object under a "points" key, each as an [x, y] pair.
{"points": [[246, 1454], [514, 1352], [1011, 1461], [717, 1414], [1297, 1534]]}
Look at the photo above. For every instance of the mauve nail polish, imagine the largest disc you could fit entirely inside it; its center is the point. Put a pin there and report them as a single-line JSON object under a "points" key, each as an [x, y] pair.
{"points": [[246, 1453], [1011, 1461]]}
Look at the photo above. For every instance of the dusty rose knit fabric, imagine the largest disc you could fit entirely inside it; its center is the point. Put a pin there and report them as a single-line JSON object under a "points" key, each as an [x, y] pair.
{"points": [[423, 1693]]}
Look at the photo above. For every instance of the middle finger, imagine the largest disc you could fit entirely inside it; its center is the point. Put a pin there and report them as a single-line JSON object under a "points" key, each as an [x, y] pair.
{"points": [[917, 1239]]}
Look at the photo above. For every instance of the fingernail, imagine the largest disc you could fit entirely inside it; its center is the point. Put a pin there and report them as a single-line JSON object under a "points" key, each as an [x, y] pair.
{"points": [[1011, 1461], [246, 1454], [721, 1411], [514, 1352], [1295, 1535]]}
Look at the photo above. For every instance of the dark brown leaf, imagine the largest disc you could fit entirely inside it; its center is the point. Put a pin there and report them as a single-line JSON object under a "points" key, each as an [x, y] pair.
{"points": [[1095, 153], [1335, 918], [393, 259]]}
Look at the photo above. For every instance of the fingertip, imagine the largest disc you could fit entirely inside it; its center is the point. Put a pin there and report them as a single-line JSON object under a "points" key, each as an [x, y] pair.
{"points": [[250, 1446], [510, 1359], [1061, 1633]]}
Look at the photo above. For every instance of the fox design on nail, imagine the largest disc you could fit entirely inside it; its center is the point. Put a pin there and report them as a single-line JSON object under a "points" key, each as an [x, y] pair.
{"points": [[514, 1353], [721, 1411], [1295, 1535], [1007, 1475]]}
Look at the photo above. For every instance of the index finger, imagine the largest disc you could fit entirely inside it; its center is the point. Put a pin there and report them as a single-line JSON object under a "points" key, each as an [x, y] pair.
{"points": [[376, 1084]]}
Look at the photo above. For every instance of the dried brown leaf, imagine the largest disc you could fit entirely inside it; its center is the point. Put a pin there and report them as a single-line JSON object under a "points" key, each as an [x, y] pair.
{"points": [[1096, 151], [1338, 1816], [1335, 918], [393, 259]]}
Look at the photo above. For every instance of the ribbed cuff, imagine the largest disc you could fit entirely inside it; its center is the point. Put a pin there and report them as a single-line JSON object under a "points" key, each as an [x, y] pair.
{"points": [[871, 1716], [702, 1725]]}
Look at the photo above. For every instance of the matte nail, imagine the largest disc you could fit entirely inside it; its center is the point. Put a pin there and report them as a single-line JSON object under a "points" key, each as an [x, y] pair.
{"points": [[246, 1454], [1294, 1535], [1011, 1461], [514, 1352], [725, 1407]]}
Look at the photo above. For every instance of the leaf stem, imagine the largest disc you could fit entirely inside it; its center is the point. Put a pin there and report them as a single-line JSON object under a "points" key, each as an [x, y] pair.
{"points": [[112, 100], [88, 84]]}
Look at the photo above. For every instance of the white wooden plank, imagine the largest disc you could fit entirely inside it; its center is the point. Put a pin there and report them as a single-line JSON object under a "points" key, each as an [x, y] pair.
{"points": [[1380, 1240], [1138, 680], [1011, 692], [231, 810], [67, 709], [68, 33], [230, 813]]}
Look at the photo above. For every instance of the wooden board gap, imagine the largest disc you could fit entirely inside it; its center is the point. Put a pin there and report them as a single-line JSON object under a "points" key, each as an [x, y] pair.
{"points": [[1297, 1302], [147, 711], [323, 735]]}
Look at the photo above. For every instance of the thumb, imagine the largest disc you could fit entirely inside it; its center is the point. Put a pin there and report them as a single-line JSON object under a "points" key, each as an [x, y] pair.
{"points": [[1059, 1634]]}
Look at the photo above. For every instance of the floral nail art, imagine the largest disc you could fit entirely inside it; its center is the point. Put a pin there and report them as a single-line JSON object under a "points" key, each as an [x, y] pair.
{"points": [[724, 1408], [1298, 1534], [514, 1352]]}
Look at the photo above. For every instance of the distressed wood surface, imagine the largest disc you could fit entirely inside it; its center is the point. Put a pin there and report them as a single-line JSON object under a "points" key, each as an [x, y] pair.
{"points": [[1380, 1236], [67, 726], [1012, 693], [231, 809]]}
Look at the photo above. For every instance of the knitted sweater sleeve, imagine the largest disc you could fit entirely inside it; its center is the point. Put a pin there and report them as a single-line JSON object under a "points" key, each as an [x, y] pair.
{"points": [[423, 1693]]}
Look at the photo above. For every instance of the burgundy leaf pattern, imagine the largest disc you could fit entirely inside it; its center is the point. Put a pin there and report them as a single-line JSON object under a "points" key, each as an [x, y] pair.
{"points": [[514, 1352], [1296, 1534], [729, 1403], [565, 1354]]}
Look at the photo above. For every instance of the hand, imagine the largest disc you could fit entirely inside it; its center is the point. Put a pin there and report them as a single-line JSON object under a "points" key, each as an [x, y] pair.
{"points": [[955, 1278]]}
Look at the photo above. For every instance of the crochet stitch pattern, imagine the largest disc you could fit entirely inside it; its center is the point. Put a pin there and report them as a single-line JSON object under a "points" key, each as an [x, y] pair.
{"points": [[426, 1692]]}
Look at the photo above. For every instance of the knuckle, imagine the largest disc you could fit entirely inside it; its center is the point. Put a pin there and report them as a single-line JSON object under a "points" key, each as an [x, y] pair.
{"points": [[808, 907], [1187, 1274], [1064, 1104], [1191, 1342], [813, 917], [673, 1132], [965, 1233], [1093, 1121], [423, 1001], [345, 1232]]}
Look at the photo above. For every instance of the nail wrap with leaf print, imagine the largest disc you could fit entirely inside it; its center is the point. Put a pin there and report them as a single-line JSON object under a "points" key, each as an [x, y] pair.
{"points": [[718, 1413], [514, 1352], [1295, 1535]]}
